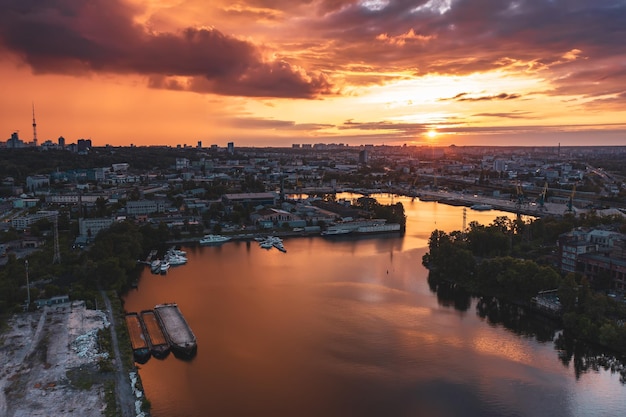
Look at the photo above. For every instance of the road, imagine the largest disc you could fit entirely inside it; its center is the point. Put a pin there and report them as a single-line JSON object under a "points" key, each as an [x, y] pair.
{"points": [[123, 390]]}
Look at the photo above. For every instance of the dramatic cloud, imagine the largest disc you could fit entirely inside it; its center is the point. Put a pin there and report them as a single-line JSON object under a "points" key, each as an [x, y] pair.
{"points": [[468, 97], [79, 36], [259, 123], [476, 63], [511, 115]]}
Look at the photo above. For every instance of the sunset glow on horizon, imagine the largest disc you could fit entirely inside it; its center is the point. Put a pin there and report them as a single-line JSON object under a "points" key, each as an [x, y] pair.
{"points": [[278, 72]]}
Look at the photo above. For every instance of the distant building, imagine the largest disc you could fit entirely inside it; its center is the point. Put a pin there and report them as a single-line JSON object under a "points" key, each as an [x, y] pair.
{"points": [[83, 145], [134, 208], [251, 199], [14, 141], [61, 142], [91, 227], [363, 156], [182, 163], [34, 182], [23, 222], [231, 147]]}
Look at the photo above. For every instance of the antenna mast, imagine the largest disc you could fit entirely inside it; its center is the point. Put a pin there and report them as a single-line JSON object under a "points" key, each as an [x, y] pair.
{"points": [[27, 286], [34, 127]]}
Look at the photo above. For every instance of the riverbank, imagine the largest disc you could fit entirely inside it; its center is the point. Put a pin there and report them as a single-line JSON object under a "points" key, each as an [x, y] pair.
{"points": [[54, 364]]}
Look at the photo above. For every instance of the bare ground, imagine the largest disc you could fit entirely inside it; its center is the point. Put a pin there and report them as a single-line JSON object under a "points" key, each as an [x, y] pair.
{"points": [[50, 363]]}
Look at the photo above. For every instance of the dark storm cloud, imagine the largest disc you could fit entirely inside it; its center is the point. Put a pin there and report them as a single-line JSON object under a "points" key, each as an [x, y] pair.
{"points": [[567, 42], [74, 36]]}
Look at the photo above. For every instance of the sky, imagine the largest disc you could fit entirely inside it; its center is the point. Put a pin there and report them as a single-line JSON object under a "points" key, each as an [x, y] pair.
{"points": [[283, 72]]}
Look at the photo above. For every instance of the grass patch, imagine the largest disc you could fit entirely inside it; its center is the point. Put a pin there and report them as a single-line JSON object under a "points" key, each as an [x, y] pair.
{"points": [[112, 408], [83, 377]]}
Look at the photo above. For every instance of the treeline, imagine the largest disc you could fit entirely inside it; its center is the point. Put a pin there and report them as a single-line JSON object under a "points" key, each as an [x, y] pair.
{"points": [[109, 264], [502, 260], [393, 213]]}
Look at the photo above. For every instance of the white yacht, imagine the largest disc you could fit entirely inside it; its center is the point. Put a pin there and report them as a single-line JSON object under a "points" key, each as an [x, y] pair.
{"points": [[165, 266], [214, 239], [155, 266], [175, 259]]}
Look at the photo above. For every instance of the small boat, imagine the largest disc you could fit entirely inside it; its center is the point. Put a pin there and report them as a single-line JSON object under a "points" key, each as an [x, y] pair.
{"points": [[165, 266], [141, 349], [482, 207], [279, 246], [178, 252], [159, 347], [155, 266], [266, 244], [272, 242], [214, 239], [174, 259]]}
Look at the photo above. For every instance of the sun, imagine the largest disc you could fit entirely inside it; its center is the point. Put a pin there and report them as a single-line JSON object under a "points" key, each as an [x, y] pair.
{"points": [[431, 134]]}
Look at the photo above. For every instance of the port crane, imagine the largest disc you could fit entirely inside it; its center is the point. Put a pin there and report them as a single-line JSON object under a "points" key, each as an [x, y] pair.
{"points": [[542, 197], [570, 201], [520, 197]]}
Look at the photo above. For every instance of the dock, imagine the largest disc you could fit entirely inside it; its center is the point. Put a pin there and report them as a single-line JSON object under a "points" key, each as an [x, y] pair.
{"points": [[177, 332], [159, 346], [141, 350]]}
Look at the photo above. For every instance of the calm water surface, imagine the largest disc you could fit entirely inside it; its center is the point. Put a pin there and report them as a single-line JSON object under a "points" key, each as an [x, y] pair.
{"points": [[351, 328]]}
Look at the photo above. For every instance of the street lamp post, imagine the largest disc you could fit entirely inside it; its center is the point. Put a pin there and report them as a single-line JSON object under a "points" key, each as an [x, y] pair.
{"points": [[27, 287]]}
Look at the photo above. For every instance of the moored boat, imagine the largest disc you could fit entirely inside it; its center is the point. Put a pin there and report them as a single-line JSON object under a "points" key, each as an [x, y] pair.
{"points": [[482, 207], [179, 335], [141, 349], [165, 266], [159, 347], [214, 239]]}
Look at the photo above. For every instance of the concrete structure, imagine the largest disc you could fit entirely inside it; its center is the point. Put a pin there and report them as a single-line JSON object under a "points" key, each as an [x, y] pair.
{"points": [[23, 222], [251, 199], [91, 227], [145, 207]]}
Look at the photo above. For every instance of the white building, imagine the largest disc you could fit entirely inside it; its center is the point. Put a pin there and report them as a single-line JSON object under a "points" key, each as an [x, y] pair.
{"points": [[23, 222], [91, 227]]}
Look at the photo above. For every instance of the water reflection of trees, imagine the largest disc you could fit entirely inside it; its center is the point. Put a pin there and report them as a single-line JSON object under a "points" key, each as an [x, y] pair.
{"points": [[585, 358], [524, 322], [450, 295]]}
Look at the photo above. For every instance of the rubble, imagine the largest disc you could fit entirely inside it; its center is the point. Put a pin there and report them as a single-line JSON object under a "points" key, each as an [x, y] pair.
{"points": [[50, 361]]}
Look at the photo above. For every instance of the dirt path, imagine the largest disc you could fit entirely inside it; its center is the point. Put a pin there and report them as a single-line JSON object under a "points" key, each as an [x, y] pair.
{"points": [[123, 390]]}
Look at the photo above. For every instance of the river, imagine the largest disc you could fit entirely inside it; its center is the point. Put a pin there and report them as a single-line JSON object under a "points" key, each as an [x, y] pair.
{"points": [[350, 327]]}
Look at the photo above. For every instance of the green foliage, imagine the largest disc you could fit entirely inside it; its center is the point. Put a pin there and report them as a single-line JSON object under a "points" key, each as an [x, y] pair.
{"points": [[442, 249], [514, 279], [588, 315], [393, 213]]}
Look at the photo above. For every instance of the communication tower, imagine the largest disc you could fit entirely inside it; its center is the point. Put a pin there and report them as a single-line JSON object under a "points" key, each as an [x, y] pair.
{"points": [[34, 127]]}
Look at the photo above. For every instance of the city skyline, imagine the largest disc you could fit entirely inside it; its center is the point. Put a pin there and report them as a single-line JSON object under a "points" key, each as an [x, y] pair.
{"points": [[274, 72]]}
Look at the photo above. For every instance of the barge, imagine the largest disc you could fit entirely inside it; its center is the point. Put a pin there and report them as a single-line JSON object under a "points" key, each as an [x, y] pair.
{"points": [[159, 347], [179, 335], [141, 350]]}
